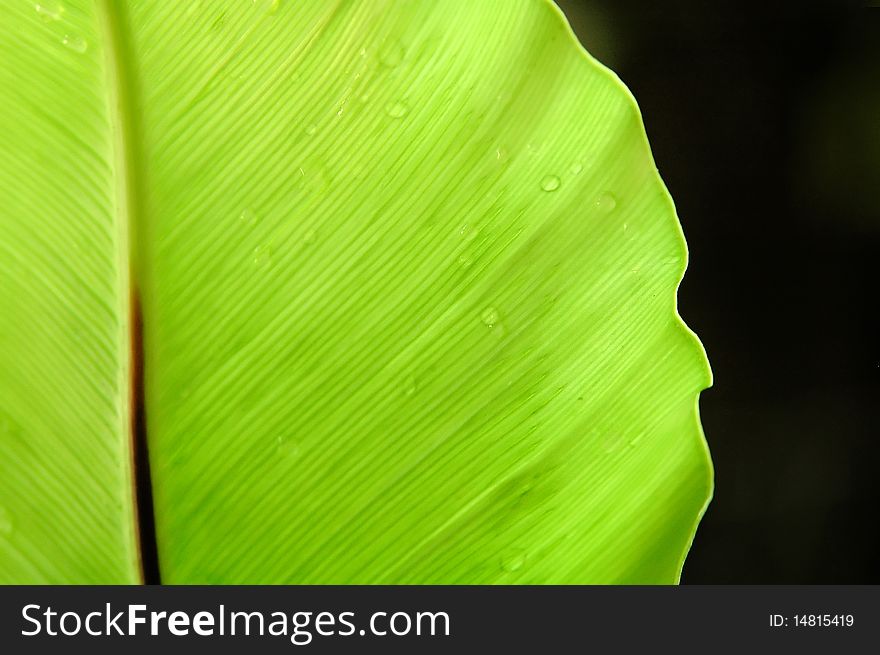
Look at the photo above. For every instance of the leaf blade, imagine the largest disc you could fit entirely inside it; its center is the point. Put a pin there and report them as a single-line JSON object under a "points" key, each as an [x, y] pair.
{"points": [[408, 278], [378, 376], [65, 475]]}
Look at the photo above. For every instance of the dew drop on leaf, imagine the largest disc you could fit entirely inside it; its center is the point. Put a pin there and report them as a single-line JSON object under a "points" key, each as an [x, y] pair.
{"points": [[513, 560], [311, 129], [490, 317], [576, 168], [612, 442], [75, 43], [396, 110], [262, 255], [468, 232], [49, 10], [632, 443], [286, 447], [550, 183], [606, 203], [391, 54], [410, 385], [247, 217]]}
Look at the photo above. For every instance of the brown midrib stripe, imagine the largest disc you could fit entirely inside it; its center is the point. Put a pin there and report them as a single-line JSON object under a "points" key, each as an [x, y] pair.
{"points": [[124, 111]]}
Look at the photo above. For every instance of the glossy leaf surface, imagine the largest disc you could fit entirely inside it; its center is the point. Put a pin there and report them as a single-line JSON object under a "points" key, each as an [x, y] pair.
{"points": [[408, 278]]}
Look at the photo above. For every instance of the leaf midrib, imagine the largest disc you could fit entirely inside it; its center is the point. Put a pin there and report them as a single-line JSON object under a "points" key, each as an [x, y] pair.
{"points": [[122, 101]]}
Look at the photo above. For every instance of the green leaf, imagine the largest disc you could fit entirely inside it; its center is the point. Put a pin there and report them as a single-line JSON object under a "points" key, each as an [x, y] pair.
{"points": [[408, 279]]}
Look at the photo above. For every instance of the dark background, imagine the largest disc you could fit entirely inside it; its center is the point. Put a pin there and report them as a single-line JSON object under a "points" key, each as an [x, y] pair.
{"points": [[766, 129]]}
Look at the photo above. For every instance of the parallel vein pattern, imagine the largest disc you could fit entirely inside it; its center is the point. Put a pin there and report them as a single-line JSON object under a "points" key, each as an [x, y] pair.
{"points": [[65, 477], [408, 280], [410, 301]]}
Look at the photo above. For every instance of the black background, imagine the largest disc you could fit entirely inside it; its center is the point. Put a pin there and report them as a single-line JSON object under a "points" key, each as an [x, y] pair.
{"points": [[766, 129]]}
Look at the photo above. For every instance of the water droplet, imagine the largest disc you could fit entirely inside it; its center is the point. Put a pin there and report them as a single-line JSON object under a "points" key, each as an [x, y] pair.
{"points": [[391, 54], [469, 232], [311, 129], [396, 109], [513, 560], [309, 237], [75, 43], [501, 154], [286, 447], [272, 6], [612, 441], [410, 386], [49, 10], [490, 317], [635, 440], [550, 183], [314, 178], [248, 218], [606, 203], [465, 261], [262, 255], [6, 523], [576, 168]]}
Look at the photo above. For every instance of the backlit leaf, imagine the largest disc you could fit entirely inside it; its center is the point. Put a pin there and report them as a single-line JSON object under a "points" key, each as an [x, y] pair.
{"points": [[408, 283]]}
